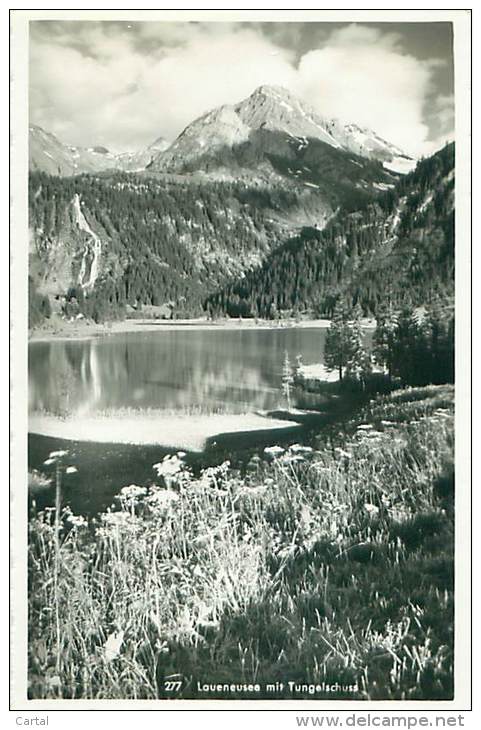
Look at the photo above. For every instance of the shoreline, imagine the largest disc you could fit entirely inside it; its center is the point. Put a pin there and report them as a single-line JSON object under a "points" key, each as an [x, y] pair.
{"points": [[191, 433], [88, 331]]}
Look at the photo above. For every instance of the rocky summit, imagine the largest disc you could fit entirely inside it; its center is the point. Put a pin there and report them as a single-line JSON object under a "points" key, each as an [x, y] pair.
{"points": [[256, 207], [48, 154], [274, 110]]}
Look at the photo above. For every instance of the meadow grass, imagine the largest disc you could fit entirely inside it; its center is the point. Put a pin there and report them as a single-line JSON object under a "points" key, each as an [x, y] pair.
{"points": [[332, 564]]}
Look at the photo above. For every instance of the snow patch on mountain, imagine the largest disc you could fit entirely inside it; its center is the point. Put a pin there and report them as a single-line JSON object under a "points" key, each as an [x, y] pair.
{"points": [[275, 109], [66, 160], [401, 165]]}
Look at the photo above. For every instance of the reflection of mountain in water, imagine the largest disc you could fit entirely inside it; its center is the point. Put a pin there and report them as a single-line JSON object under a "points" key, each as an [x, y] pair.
{"points": [[178, 370]]}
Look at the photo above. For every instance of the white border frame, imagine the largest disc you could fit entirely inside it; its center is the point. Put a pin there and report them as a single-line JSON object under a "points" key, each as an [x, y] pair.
{"points": [[461, 20]]}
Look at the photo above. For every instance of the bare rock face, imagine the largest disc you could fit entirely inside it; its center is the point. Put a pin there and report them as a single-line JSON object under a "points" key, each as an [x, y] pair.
{"points": [[274, 110], [48, 154], [239, 184]]}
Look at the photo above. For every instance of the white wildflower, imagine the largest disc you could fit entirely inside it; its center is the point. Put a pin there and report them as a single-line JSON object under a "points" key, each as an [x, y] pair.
{"points": [[298, 448], [253, 491], [274, 451], [132, 492], [169, 466], [291, 458], [365, 427], [47, 462], [112, 645], [76, 520], [163, 498], [71, 470], [341, 452], [115, 518], [371, 508]]}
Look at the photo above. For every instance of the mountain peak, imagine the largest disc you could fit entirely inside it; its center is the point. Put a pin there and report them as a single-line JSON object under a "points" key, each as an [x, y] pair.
{"points": [[274, 109], [48, 154], [272, 90]]}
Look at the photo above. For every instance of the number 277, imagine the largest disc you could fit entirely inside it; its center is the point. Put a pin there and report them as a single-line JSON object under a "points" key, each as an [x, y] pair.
{"points": [[172, 686]]}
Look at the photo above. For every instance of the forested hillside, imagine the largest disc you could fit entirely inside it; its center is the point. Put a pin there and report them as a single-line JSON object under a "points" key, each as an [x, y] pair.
{"points": [[159, 239], [397, 249], [245, 246]]}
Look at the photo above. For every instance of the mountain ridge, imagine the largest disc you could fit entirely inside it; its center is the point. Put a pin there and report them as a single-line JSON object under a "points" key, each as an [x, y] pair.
{"points": [[48, 154], [241, 202], [273, 109], [398, 247]]}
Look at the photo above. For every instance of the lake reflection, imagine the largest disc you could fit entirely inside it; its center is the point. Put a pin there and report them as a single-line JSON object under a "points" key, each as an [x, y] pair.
{"points": [[188, 370]]}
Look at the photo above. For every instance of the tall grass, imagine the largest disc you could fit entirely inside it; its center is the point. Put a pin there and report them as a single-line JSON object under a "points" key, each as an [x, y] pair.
{"points": [[330, 564]]}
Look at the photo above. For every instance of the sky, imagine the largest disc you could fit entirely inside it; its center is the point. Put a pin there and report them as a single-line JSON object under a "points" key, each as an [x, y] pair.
{"points": [[124, 84]]}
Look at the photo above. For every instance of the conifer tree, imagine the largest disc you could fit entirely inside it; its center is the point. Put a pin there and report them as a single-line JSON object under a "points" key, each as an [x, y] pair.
{"points": [[287, 379], [383, 339], [408, 348], [343, 349]]}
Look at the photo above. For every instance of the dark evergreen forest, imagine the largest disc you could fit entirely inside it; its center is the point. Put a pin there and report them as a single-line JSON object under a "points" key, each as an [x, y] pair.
{"points": [[226, 247], [397, 249], [164, 241]]}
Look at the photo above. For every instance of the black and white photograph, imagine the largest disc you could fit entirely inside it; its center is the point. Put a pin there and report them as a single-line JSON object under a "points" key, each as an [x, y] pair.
{"points": [[244, 241]]}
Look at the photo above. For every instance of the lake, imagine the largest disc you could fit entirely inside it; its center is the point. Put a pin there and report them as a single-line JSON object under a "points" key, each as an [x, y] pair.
{"points": [[177, 371]]}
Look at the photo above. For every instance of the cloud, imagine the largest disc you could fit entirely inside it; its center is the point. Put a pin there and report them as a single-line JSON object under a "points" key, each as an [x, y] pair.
{"points": [[123, 85], [362, 75]]}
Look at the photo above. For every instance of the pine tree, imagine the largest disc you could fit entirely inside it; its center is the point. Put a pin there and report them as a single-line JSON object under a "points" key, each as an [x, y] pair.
{"points": [[359, 362], [383, 339], [343, 349], [408, 348], [287, 379]]}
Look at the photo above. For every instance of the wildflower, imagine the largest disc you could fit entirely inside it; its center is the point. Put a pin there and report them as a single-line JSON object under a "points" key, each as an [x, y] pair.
{"points": [[169, 466], [388, 423], [305, 516], [253, 491], [76, 520], [112, 645], [115, 518], [71, 470], [274, 451], [211, 476], [132, 492], [298, 448], [364, 427], [37, 480], [291, 458], [371, 508], [341, 452], [181, 454], [164, 498], [47, 462]]}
